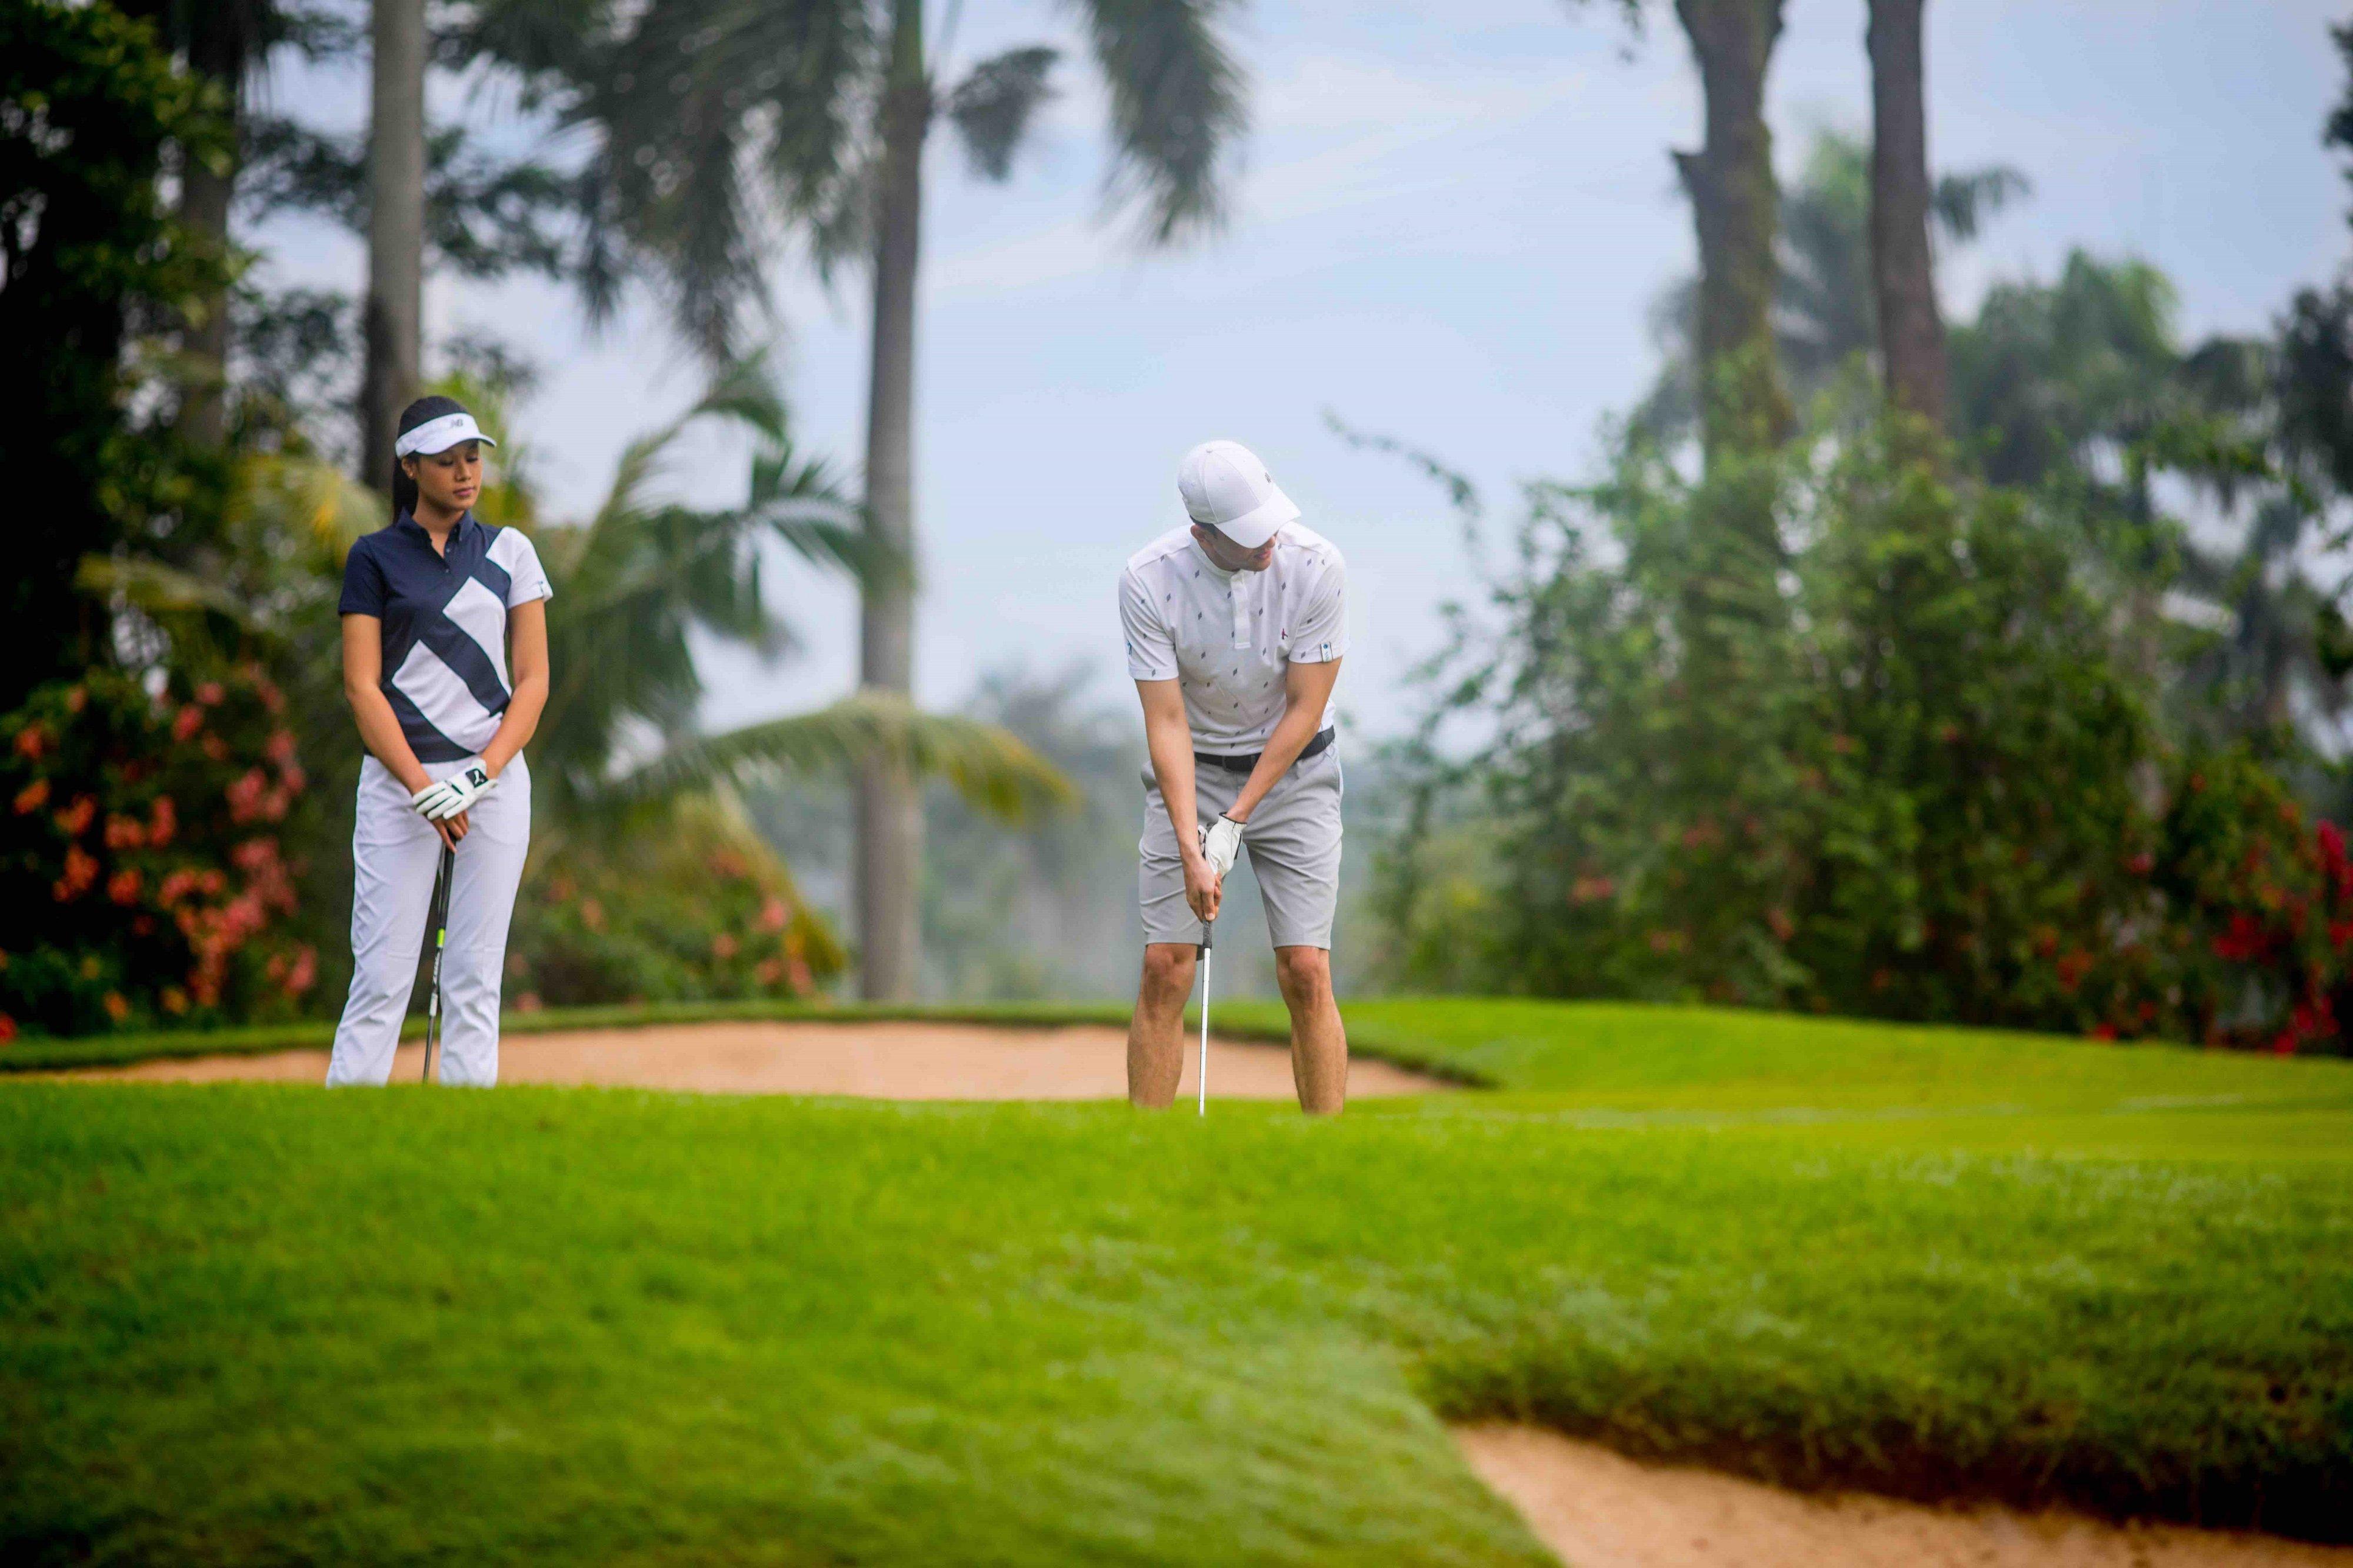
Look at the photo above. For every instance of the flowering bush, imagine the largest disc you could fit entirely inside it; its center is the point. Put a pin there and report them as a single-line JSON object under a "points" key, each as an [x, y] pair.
{"points": [[2259, 913], [700, 910], [142, 873]]}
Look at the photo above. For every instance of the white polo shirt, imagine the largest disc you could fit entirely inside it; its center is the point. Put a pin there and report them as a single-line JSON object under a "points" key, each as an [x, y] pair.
{"points": [[1226, 638]]}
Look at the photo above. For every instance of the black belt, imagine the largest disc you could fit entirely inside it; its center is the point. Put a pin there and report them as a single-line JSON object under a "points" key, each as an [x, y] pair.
{"points": [[1322, 742]]}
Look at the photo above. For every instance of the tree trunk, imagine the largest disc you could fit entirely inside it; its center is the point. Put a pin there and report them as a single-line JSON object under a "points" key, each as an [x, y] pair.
{"points": [[219, 52], [1903, 270], [890, 816], [396, 296], [1736, 207]]}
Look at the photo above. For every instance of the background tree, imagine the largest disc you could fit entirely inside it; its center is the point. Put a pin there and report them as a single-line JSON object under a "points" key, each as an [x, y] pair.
{"points": [[91, 261], [392, 320], [825, 106], [1911, 332]]}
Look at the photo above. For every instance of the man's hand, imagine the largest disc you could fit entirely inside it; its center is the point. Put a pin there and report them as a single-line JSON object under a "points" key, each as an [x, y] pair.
{"points": [[1221, 845], [1204, 887]]}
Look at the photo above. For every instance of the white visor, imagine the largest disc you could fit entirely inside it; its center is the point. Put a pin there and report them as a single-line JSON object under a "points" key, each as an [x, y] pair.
{"points": [[439, 436]]}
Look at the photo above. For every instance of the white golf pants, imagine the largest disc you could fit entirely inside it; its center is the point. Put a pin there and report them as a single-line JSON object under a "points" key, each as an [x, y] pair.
{"points": [[395, 854]]}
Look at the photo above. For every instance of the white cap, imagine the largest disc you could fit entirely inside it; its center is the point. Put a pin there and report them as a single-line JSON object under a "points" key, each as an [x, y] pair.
{"points": [[1226, 488], [440, 435]]}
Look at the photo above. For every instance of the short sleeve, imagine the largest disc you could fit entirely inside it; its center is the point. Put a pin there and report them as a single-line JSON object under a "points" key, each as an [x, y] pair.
{"points": [[363, 590], [1321, 633], [526, 579], [1151, 650]]}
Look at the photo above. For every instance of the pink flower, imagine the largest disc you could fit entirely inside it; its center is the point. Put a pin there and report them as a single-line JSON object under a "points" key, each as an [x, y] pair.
{"points": [[189, 719], [772, 914], [722, 946], [210, 693], [163, 821]]}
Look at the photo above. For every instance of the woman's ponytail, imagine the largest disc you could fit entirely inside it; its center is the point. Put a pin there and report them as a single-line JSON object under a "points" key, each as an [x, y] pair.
{"points": [[404, 489]]}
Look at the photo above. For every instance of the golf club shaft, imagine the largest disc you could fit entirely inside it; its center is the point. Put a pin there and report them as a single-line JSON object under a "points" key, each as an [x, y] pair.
{"points": [[1205, 1017], [441, 880]]}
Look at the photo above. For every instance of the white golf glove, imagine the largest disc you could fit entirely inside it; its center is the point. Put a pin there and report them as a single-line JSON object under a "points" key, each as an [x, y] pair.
{"points": [[1222, 844], [445, 798]]}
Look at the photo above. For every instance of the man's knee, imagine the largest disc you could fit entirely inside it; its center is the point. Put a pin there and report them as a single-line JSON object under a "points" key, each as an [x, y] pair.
{"points": [[1303, 974], [1168, 966]]}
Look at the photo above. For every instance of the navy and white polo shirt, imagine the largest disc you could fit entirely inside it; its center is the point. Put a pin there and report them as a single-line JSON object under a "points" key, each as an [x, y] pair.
{"points": [[445, 625]]}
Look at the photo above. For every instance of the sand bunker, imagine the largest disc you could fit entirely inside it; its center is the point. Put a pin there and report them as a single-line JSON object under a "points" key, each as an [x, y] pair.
{"points": [[878, 1061], [1599, 1510]]}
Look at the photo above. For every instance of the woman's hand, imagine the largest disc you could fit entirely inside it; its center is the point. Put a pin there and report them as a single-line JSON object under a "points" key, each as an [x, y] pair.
{"points": [[452, 829]]}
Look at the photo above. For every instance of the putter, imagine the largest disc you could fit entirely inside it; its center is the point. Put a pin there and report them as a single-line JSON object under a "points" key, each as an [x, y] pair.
{"points": [[1206, 927], [441, 880]]}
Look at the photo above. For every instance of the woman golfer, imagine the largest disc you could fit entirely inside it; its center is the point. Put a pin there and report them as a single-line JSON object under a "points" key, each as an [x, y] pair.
{"points": [[445, 661]]}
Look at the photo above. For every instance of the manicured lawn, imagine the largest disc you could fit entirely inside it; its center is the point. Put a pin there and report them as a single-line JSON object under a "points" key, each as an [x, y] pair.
{"points": [[268, 1323]]}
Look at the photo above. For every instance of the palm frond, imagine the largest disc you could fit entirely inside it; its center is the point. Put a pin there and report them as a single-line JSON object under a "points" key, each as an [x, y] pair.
{"points": [[1178, 108], [1963, 202], [988, 765], [992, 107], [156, 589]]}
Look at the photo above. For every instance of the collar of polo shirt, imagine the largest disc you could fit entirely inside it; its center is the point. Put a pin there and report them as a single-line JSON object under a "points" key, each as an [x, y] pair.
{"points": [[439, 436]]}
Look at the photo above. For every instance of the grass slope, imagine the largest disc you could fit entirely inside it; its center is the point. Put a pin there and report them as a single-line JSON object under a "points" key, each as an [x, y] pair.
{"points": [[263, 1324]]}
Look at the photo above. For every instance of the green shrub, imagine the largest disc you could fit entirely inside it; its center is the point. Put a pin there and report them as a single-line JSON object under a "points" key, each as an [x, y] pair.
{"points": [[1896, 767]]}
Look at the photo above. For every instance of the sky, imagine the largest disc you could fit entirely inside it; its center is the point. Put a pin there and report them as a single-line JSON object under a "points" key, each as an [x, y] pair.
{"points": [[1449, 227]]}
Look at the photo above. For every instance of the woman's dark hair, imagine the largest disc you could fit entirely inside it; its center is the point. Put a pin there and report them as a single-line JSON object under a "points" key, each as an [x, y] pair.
{"points": [[404, 489]]}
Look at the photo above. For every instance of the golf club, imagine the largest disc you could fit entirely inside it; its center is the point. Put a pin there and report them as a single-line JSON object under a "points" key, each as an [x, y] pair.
{"points": [[441, 880], [1206, 928]]}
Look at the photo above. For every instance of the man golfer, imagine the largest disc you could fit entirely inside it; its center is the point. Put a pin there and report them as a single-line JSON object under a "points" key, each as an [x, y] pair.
{"points": [[1235, 628]]}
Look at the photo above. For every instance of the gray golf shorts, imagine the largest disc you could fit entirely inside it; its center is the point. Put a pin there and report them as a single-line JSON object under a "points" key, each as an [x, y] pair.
{"points": [[1292, 840]]}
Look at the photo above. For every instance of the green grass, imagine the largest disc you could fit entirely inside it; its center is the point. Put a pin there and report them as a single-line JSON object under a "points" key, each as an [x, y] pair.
{"points": [[262, 1323]]}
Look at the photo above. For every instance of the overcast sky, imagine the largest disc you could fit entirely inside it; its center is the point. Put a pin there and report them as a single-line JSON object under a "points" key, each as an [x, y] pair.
{"points": [[1450, 226]]}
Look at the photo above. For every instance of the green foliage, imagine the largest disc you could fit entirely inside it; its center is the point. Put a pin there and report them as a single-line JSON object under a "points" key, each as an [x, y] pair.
{"points": [[1912, 779], [1827, 1253], [89, 261], [144, 868]]}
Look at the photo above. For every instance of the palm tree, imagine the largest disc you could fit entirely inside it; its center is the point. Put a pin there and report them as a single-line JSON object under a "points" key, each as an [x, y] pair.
{"points": [[393, 318], [1911, 334], [1824, 308], [815, 114]]}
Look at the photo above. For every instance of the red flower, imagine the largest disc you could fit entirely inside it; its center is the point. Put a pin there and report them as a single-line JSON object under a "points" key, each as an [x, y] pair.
{"points": [[2104, 1031], [210, 694], [190, 720], [7, 1029], [31, 741], [2072, 966], [32, 797], [2285, 1044], [304, 973], [2246, 938], [124, 886], [163, 821], [2142, 864], [245, 795], [81, 870], [124, 832], [76, 818], [117, 1008]]}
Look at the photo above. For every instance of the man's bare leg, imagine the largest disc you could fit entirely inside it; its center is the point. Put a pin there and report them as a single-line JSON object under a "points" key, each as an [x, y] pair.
{"points": [[1319, 1042], [1155, 1033]]}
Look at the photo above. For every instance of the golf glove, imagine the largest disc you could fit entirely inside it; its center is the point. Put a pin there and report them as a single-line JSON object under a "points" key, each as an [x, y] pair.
{"points": [[445, 798], [1222, 844]]}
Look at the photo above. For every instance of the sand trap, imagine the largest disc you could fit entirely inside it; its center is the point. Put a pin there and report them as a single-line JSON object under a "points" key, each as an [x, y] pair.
{"points": [[878, 1061], [1599, 1510]]}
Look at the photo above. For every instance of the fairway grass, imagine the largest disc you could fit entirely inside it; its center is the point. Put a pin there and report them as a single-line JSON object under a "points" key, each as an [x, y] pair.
{"points": [[264, 1323]]}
